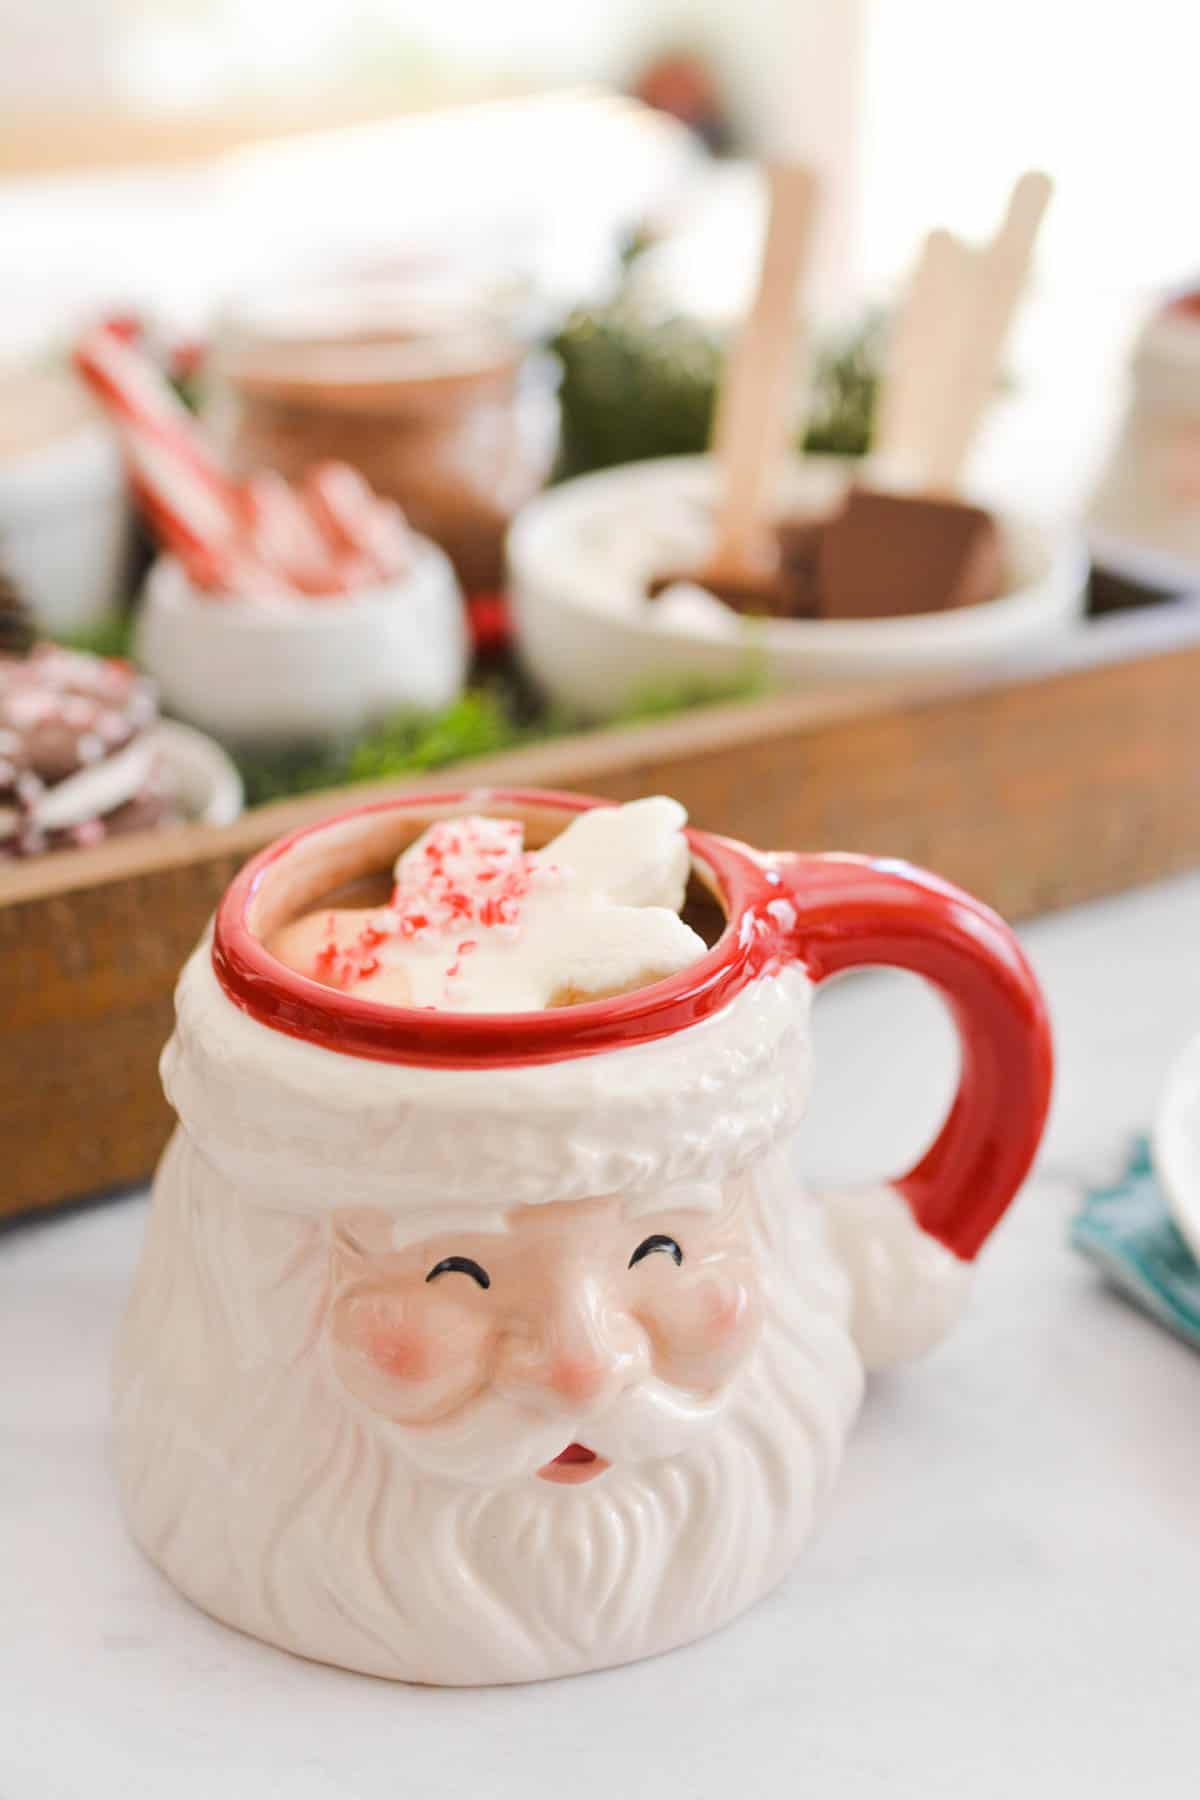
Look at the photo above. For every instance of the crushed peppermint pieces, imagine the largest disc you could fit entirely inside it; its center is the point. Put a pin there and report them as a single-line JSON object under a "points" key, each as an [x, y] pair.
{"points": [[462, 872]]}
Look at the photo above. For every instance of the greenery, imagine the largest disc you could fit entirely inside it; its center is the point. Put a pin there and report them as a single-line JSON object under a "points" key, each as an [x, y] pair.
{"points": [[662, 699], [485, 721], [114, 637], [634, 388], [845, 390]]}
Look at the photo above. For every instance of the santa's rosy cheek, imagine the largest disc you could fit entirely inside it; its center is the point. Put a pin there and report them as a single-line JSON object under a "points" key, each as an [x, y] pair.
{"points": [[403, 1353], [707, 1330], [726, 1307], [408, 1355], [386, 1334]]}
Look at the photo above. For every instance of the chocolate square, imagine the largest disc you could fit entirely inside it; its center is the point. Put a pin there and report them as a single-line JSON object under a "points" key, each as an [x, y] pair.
{"points": [[894, 555]]}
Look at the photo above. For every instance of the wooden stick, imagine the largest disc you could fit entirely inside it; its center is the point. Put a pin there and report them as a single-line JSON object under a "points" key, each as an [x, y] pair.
{"points": [[923, 347], [998, 278], [755, 406]]}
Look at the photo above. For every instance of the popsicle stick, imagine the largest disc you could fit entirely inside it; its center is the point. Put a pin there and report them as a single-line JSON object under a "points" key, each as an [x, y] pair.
{"points": [[756, 404], [999, 277], [923, 348]]}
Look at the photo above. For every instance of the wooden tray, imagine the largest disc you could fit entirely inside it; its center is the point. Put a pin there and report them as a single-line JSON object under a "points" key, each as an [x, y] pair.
{"points": [[1037, 790]]}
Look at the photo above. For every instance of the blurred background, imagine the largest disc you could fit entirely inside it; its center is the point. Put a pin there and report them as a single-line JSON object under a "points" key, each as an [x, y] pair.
{"points": [[225, 185], [166, 154]]}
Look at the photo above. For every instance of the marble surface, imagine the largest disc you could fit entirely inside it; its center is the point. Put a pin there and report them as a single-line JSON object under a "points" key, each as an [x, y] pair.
{"points": [[1005, 1599]]}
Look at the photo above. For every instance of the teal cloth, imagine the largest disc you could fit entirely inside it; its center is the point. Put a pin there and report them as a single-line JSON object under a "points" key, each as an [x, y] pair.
{"points": [[1128, 1231]]}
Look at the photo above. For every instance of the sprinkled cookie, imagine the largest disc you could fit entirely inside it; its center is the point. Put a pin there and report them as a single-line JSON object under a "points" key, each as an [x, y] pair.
{"points": [[76, 761]]}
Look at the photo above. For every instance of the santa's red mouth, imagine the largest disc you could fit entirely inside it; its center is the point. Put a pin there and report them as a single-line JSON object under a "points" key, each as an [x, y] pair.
{"points": [[574, 1464]]}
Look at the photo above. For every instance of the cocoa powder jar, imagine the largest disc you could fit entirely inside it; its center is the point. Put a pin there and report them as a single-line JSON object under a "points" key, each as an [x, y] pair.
{"points": [[442, 406]]}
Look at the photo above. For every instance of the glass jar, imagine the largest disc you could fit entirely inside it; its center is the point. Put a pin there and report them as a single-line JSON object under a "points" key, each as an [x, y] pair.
{"points": [[442, 405]]}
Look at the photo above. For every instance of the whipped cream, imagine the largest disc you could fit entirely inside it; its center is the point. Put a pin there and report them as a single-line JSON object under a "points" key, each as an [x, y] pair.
{"points": [[477, 923]]}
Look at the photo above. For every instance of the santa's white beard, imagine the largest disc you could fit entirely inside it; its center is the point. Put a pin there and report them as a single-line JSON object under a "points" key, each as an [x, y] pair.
{"points": [[277, 1504]]}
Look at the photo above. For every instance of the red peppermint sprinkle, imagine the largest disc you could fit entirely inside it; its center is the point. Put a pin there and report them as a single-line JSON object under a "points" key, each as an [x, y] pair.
{"points": [[467, 871]]}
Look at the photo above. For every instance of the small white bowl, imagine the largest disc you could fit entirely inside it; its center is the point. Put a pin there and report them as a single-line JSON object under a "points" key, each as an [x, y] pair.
{"points": [[581, 555], [65, 526], [262, 675]]}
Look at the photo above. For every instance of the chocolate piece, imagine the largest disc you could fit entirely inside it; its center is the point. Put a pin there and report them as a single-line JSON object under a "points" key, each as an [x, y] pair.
{"points": [[878, 556], [893, 555]]}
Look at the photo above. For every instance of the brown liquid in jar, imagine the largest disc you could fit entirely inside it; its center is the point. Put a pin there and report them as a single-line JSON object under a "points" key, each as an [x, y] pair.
{"points": [[460, 430]]}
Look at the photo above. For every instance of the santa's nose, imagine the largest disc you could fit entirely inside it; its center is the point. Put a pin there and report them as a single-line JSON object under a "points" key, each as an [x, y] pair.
{"points": [[574, 1352]]}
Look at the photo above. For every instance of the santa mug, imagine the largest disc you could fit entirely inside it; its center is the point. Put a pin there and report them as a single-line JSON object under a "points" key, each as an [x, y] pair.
{"points": [[489, 1347]]}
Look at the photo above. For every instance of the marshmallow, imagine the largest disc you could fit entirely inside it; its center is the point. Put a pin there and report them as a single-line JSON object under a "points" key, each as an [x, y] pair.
{"points": [[477, 923]]}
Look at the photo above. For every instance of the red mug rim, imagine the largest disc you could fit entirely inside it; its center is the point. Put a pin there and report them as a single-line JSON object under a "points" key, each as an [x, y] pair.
{"points": [[286, 1001]]}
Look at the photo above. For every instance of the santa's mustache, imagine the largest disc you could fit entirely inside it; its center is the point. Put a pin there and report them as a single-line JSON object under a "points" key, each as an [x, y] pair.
{"points": [[498, 1440]]}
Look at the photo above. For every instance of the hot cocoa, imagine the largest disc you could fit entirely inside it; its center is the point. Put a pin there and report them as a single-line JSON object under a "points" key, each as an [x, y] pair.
{"points": [[477, 923]]}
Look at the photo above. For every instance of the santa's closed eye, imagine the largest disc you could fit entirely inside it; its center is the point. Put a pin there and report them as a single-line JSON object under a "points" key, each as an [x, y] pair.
{"points": [[658, 1242], [460, 1265]]}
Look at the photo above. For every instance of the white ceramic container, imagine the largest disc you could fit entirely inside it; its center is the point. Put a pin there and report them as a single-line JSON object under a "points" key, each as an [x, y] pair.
{"points": [[581, 555], [257, 674], [65, 527], [1149, 495]]}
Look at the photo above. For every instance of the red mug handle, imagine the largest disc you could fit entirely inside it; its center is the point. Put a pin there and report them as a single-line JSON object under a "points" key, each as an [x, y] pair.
{"points": [[853, 912]]}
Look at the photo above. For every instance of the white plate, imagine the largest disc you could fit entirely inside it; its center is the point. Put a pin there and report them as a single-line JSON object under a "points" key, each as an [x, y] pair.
{"points": [[580, 557], [1175, 1143], [201, 776]]}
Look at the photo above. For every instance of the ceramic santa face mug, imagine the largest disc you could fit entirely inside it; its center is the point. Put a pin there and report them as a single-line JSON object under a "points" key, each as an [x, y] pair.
{"points": [[488, 1347]]}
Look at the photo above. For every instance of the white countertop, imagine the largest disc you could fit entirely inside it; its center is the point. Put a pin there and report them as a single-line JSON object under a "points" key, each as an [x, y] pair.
{"points": [[1005, 1600]]}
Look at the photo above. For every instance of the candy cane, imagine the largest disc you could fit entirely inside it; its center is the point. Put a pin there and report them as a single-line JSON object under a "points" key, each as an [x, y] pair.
{"points": [[282, 533], [190, 500], [259, 538], [356, 520]]}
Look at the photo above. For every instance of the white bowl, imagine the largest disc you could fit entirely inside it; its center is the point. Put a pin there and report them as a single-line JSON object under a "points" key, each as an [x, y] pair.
{"points": [[268, 674], [580, 557], [65, 527]]}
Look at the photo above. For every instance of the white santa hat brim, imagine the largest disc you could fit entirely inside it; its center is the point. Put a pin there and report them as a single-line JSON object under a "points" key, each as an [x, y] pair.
{"points": [[313, 1130]]}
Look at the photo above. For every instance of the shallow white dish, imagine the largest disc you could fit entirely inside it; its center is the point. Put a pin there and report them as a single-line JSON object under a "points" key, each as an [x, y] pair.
{"points": [[202, 778], [263, 675], [580, 557], [1175, 1143], [65, 527]]}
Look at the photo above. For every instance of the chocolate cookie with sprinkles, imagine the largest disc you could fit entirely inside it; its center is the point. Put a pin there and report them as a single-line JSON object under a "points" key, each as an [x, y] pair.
{"points": [[77, 763]]}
